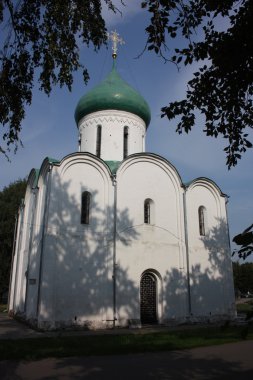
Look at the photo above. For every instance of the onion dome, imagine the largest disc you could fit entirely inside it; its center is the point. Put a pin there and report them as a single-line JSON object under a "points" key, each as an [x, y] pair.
{"points": [[113, 94]]}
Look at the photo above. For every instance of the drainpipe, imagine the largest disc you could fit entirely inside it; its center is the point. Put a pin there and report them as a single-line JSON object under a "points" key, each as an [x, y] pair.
{"points": [[114, 182], [187, 252], [43, 234]]}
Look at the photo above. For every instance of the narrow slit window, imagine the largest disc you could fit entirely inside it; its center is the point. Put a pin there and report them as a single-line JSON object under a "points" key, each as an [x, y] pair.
{"points": [[147, 211], [202, 221], [85, 210], [125, 144], [98, 142]]}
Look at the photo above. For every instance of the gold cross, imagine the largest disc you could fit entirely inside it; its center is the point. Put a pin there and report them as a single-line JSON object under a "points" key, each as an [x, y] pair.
{"points": [[116, 39]]}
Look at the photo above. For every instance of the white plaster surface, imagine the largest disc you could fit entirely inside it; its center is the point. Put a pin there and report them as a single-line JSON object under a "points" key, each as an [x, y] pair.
{"points": [[63, 270]]}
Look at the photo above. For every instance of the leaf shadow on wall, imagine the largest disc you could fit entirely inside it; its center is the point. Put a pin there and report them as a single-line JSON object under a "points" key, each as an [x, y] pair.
{"points": [[210, 277], [77, 262]]}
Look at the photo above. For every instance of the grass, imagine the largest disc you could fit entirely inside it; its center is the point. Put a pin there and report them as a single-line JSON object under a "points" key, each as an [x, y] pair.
{"points": [[245, 307], [3, 308], [37, 348]]}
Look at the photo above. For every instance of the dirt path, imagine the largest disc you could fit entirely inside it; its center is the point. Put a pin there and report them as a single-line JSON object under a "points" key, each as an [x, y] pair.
{"points": [[230, 361]]}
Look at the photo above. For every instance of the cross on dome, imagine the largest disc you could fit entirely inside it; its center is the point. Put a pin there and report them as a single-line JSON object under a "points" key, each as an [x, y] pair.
{"points": [[116, 39]]}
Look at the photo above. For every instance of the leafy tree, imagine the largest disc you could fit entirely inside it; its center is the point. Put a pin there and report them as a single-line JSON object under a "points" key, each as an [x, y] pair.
{"points": [[245, 240], [243, 277], [40, 40], [237, 277], [10, 199], [221, 89]]}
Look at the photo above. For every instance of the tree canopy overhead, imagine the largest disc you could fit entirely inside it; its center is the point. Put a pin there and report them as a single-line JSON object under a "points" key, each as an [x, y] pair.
{"points": [[245, 240], [42, 37], [222, 88]]}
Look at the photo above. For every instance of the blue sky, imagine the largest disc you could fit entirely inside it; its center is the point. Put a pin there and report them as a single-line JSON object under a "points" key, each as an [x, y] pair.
{"points": [[49, 128]]}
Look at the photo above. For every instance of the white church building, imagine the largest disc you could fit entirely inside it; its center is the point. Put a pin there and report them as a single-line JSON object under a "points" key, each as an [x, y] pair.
{"points": [[112, 236]]}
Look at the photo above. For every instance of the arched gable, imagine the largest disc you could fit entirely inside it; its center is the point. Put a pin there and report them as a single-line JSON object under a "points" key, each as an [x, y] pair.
{"points": [[204, 190], [74, 175], [206, 217], [33, 178], [146, 176], [154, 159], [32, 182], [46, 163], [204, 181], [84, 158]]}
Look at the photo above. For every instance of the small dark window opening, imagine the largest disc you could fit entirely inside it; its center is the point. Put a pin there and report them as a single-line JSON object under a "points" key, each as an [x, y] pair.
{"points": [[125, 145], [98, 144], [147, 211], [202, 221], [85, 210]]}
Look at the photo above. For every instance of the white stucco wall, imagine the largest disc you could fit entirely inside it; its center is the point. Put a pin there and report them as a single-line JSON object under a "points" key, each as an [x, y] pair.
{"points": [[18, 286], [70, 265], [76, 268], [159, 246], [14, 289], [112, 137], [36, 245], [209, 256]]}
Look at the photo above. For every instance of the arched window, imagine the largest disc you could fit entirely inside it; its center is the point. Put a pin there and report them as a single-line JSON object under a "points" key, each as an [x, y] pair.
{"points": [[202, 220], [149, 211], [98, 141], [85, 208], [148, 298], [125, 143]]}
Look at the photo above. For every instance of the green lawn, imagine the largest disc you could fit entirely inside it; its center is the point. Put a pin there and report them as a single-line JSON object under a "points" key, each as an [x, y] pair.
{"points": [[3, 308], [36, 348], [245, 307]]}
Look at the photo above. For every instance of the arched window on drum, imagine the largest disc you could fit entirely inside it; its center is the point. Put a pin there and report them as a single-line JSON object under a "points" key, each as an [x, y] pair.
{"points": [[98, 140], [125, 142]]}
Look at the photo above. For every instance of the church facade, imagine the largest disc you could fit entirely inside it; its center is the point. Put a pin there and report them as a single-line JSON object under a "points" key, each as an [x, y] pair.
{"points": [[111, 235]]}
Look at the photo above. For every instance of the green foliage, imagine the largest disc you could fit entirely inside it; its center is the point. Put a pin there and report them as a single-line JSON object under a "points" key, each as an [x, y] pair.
{"points": [[221, 89], [10, 200], [41, 39], [245, 240], [243, 277]]}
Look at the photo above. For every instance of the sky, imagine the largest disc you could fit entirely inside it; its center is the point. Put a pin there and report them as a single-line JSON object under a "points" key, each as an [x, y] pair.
{"points": [[49, 127]]}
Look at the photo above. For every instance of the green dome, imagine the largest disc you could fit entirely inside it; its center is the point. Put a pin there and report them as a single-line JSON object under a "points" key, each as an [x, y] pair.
{"points": [[113, 93]]}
